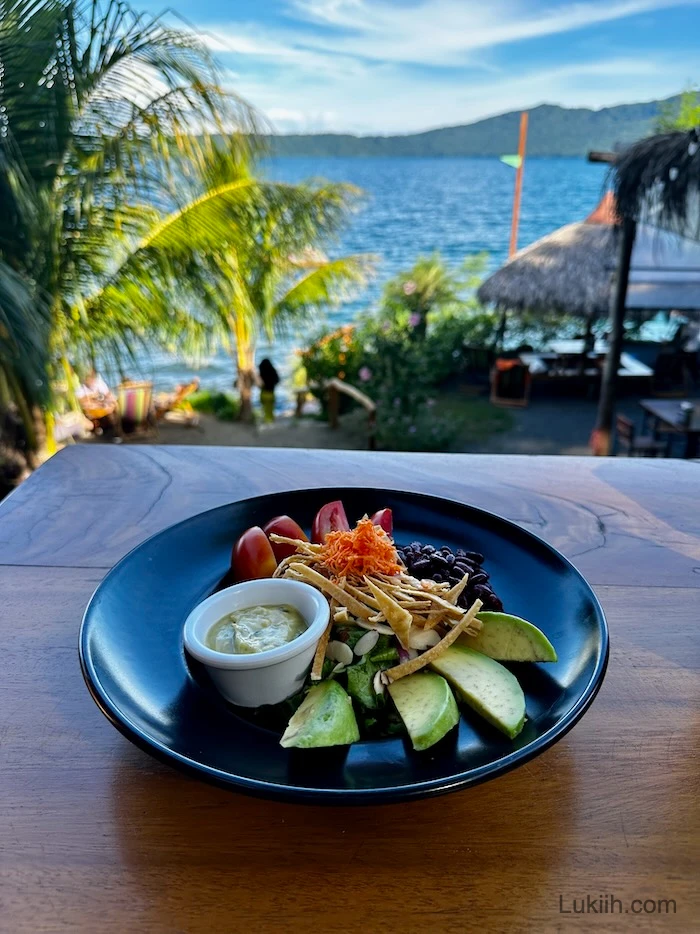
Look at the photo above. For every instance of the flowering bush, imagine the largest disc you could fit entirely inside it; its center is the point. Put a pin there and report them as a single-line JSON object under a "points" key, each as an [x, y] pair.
{"points": [[401, 355]]}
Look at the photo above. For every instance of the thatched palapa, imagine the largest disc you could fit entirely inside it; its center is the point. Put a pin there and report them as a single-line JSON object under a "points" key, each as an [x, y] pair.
{"points": [[569, 271]]}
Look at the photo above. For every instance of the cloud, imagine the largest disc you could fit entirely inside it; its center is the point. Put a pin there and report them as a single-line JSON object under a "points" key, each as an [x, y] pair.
{"points": [[376, 66], [448, 32]]}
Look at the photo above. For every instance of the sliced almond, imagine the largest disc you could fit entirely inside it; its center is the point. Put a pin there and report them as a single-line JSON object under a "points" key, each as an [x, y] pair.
{"points": [[366, 643], [378, 683], [375, 627], [422, 638], [339, 652]]}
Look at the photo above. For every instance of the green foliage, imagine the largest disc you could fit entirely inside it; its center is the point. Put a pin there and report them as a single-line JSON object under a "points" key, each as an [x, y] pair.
{"points": [[681, 113], [221, 404], [405, 353], [338, 353], [124, 215]]}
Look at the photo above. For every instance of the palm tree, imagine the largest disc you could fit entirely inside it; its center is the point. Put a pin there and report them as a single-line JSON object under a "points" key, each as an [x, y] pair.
{"points": [[100, 110], [123, 214]]}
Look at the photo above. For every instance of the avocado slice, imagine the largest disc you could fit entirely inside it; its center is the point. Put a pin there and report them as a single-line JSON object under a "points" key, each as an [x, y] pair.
{"points": [[487, 687], [427, 707], [324, 718], [510, 639]]}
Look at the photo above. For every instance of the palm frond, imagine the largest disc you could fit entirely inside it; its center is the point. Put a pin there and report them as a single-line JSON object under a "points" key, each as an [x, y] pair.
{"points": [[24, 346], [327, 284]]}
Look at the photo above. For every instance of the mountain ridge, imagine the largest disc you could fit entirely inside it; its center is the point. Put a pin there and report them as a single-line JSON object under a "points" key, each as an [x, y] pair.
{"points": [[553, 131]]}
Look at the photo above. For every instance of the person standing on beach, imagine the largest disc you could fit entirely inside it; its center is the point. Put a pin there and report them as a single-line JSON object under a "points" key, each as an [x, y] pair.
{"points": [[269, 378]]}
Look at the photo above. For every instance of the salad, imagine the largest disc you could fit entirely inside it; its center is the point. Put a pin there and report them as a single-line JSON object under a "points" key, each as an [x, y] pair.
{"points": [[413, 631]]}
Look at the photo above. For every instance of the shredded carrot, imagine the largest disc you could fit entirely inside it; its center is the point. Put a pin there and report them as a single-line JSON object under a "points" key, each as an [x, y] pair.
{"points": [[364, 550]]}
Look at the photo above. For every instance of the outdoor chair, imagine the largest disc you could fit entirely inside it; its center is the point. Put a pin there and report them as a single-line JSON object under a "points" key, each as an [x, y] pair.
{"points": [[134, 407], [176, 407], [510, 383], [637, 445]]}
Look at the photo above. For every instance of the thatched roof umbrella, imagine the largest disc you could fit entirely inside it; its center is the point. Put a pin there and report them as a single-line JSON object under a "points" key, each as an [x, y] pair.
{"points": [[656, 180], [569, 271]]}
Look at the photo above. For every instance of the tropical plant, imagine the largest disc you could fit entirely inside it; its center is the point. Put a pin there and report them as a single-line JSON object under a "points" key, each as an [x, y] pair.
{"points": [[121, 212], [100, 107], [427, 287], [683, 114]]}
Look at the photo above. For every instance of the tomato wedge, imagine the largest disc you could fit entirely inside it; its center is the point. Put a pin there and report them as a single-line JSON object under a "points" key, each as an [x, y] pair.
{"points": [[252, 556], [385, 519], [329, 518], [284, 525]]}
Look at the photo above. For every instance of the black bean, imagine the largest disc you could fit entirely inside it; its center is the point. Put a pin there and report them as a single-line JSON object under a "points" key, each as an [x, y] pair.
{"points": [[438, 578], [463, 567], [415, 546], [474, 556], [440, 561], [481, 577], [482, 591], [454, 578], [421, 566], [460, 553], [428, 549]]}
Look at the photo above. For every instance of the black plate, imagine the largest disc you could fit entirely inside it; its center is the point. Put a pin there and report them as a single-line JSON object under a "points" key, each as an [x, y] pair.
{"points": [[135, 666]]}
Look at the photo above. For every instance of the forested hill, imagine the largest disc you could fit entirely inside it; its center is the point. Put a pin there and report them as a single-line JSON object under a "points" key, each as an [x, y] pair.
{"points": [[553, 131]]}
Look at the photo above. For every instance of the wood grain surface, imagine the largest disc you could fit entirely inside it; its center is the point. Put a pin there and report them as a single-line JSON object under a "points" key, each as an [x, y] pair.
{"points": [[95, 836]]}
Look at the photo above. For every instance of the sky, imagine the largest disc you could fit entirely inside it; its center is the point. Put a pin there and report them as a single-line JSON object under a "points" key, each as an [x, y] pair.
{"points": [[399, 66]]}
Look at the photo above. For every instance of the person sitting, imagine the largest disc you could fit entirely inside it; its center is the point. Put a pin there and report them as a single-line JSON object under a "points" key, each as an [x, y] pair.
{"points": [[98, 403], [269, 378]]}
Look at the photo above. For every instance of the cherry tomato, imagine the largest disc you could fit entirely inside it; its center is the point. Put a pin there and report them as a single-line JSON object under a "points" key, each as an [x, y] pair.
{"points": [[284, 525], [385, 519], [252, 556], [329, 518]]}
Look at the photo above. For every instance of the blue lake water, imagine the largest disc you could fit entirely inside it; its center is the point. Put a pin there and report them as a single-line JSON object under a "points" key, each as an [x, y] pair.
{"points": [[415, 207]]}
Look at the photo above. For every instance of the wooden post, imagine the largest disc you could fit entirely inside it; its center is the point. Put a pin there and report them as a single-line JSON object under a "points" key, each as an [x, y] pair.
{"points": [[518, 185], [602, 434]]}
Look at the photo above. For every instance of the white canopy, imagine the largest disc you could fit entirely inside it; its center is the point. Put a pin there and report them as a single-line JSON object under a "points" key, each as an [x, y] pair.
{"points": [[664, 271]]}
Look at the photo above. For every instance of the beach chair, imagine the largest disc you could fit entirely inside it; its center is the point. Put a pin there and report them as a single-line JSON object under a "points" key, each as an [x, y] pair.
{"points": [[134, 408], [175, 407]]}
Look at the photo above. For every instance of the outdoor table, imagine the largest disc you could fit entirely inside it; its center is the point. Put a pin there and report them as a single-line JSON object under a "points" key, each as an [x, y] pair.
{"points": [[668, 417], [98, 836]]}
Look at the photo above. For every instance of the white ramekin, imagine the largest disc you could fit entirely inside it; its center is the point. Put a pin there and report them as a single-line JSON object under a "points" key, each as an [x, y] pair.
{"points": [[264, 677]]}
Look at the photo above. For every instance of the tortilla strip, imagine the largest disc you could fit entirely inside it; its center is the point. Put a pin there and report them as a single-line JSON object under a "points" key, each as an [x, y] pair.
{"points": [[433, 618], [360, 595], [407, 668], [320, 654], [449, 609], [333, 590], [455, 592], [399, 619], [341, 615], [305, 547]]}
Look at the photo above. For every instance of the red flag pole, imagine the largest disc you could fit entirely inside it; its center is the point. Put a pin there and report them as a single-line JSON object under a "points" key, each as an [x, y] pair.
{"points": [[518, 185]]}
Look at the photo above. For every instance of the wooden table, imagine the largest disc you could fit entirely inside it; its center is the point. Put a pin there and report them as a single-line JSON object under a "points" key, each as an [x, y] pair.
{"points": [[666, 414], [97, 836]]}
